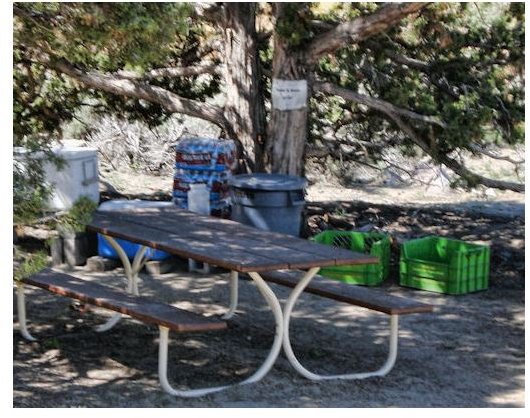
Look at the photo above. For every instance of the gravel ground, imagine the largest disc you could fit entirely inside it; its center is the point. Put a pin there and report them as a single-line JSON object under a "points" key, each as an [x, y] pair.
{"points": [[468, 353]]}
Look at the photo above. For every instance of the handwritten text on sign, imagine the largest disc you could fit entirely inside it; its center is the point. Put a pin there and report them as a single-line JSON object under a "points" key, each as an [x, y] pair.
{"points": [[289, 94]]}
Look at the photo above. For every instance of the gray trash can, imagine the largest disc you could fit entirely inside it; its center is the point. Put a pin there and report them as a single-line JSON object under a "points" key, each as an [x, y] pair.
{"points": [[271, 202]]}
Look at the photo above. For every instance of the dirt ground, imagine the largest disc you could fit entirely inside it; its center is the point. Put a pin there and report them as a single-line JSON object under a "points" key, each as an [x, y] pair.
{"points": [[468, 353]]}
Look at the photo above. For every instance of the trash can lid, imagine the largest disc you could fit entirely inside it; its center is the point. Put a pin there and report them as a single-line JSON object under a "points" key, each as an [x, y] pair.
{"points": [[270, 182]]}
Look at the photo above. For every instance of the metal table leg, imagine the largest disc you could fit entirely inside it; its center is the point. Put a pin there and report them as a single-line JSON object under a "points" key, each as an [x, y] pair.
{"points": [[233, 295], [293, 297], [273, 303], [21, 308], [131, 272]]}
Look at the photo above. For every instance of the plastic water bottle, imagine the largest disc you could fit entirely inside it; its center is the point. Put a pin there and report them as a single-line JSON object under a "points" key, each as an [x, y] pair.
{"points": [[199, 199], [198, 202]]}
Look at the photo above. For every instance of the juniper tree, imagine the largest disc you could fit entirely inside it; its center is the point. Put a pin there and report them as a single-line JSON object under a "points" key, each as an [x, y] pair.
{"points": [[432, 79]]}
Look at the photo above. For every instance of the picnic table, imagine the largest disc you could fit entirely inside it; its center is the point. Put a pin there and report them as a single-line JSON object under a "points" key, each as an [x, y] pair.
{"points": [[263, 256], [223, 243]]}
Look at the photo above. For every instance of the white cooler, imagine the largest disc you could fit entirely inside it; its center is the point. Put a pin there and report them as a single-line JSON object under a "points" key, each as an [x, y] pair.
{"points": [[79, 176]]}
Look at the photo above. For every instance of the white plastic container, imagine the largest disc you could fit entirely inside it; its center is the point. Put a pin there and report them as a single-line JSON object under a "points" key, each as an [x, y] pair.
{"points": [[198, 202], [199, 199], [78, 177]]}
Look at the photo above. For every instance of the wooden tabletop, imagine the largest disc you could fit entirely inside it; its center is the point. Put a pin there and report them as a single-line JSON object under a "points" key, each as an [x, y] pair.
{"points": [[220, 242]]}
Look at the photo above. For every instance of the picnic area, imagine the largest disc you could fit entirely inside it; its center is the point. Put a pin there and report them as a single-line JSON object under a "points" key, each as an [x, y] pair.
{"points": [[268, 205]]}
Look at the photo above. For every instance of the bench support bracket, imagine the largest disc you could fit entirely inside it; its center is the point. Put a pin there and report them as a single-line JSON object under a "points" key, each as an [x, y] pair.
{"points": [[293, 297], [273, 303], [131, 273]]}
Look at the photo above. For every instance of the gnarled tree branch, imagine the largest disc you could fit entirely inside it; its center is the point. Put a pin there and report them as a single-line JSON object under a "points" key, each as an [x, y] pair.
{"points": [[205, 68], [374, 103], [453, 164], [128, 88], [495, 156], [394, 113], [359, 29]]}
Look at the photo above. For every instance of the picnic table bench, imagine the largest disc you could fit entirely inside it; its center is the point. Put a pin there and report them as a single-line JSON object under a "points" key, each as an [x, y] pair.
{"points": [[166, 317], [240, 249]]}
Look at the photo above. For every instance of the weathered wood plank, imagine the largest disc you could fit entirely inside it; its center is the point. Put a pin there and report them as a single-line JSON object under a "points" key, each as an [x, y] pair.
{"points": [[138, 307], [374, 299], [232, 258], [228, 236], [284, 243], [341, 256], [240, 243]]}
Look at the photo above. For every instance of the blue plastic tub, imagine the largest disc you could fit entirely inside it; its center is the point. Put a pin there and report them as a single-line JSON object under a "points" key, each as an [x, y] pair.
{"points": [[130, 248]]}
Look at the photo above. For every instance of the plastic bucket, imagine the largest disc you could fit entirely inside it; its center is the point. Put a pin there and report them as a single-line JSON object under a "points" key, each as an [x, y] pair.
{"points": [[271, 202]]}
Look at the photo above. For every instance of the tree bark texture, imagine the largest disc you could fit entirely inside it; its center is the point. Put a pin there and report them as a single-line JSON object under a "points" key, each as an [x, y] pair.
{"points": [[244, 108], [287, 132], [360, 29]]}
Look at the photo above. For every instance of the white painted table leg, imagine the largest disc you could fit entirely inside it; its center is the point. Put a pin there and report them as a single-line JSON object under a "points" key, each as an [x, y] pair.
{"points": [[21, 308], [272, 301], [138, 263], [162, 372], [234, 276], [274, 304], [293, 297], [131, 273]]}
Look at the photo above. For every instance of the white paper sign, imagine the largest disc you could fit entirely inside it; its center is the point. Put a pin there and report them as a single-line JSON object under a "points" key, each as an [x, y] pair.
{"points": [[289, 94]]}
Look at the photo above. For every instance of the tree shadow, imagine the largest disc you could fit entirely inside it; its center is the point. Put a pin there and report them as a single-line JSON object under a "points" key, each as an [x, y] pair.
{"points": [[468, 353]]}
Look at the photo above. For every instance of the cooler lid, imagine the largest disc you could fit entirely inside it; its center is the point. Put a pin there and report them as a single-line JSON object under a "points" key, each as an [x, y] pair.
{"points": [[72, 153], [269, 182], [66, 152]]}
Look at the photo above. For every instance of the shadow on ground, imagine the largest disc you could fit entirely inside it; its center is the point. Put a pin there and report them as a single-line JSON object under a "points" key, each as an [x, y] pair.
{"points": [[469, 353]]}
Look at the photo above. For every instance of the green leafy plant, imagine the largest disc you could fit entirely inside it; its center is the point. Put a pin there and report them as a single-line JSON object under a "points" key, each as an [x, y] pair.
{"points": [[79, 215], [32, 263]]}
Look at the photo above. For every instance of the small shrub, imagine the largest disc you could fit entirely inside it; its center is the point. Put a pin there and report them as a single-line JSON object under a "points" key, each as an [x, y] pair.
{"points": [[33, 263], [79, 215]]}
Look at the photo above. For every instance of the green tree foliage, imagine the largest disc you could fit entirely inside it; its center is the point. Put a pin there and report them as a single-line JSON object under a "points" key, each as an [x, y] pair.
{"points": [[101, 36], [107, 37], [462, 63], [437, 80], [78, 216]]}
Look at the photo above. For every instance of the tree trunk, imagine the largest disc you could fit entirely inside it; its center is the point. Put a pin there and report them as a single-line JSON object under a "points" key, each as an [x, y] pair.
{"points": [[288, 129], [244, 109], [287, 133]]}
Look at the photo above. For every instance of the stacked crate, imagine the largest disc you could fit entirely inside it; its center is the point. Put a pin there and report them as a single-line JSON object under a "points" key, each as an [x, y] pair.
{"points": [[204, 160]]}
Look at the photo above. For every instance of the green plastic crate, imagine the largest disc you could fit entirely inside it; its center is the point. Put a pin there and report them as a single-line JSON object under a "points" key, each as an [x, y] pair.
{"points": [[373, 243], [444, 265]]}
